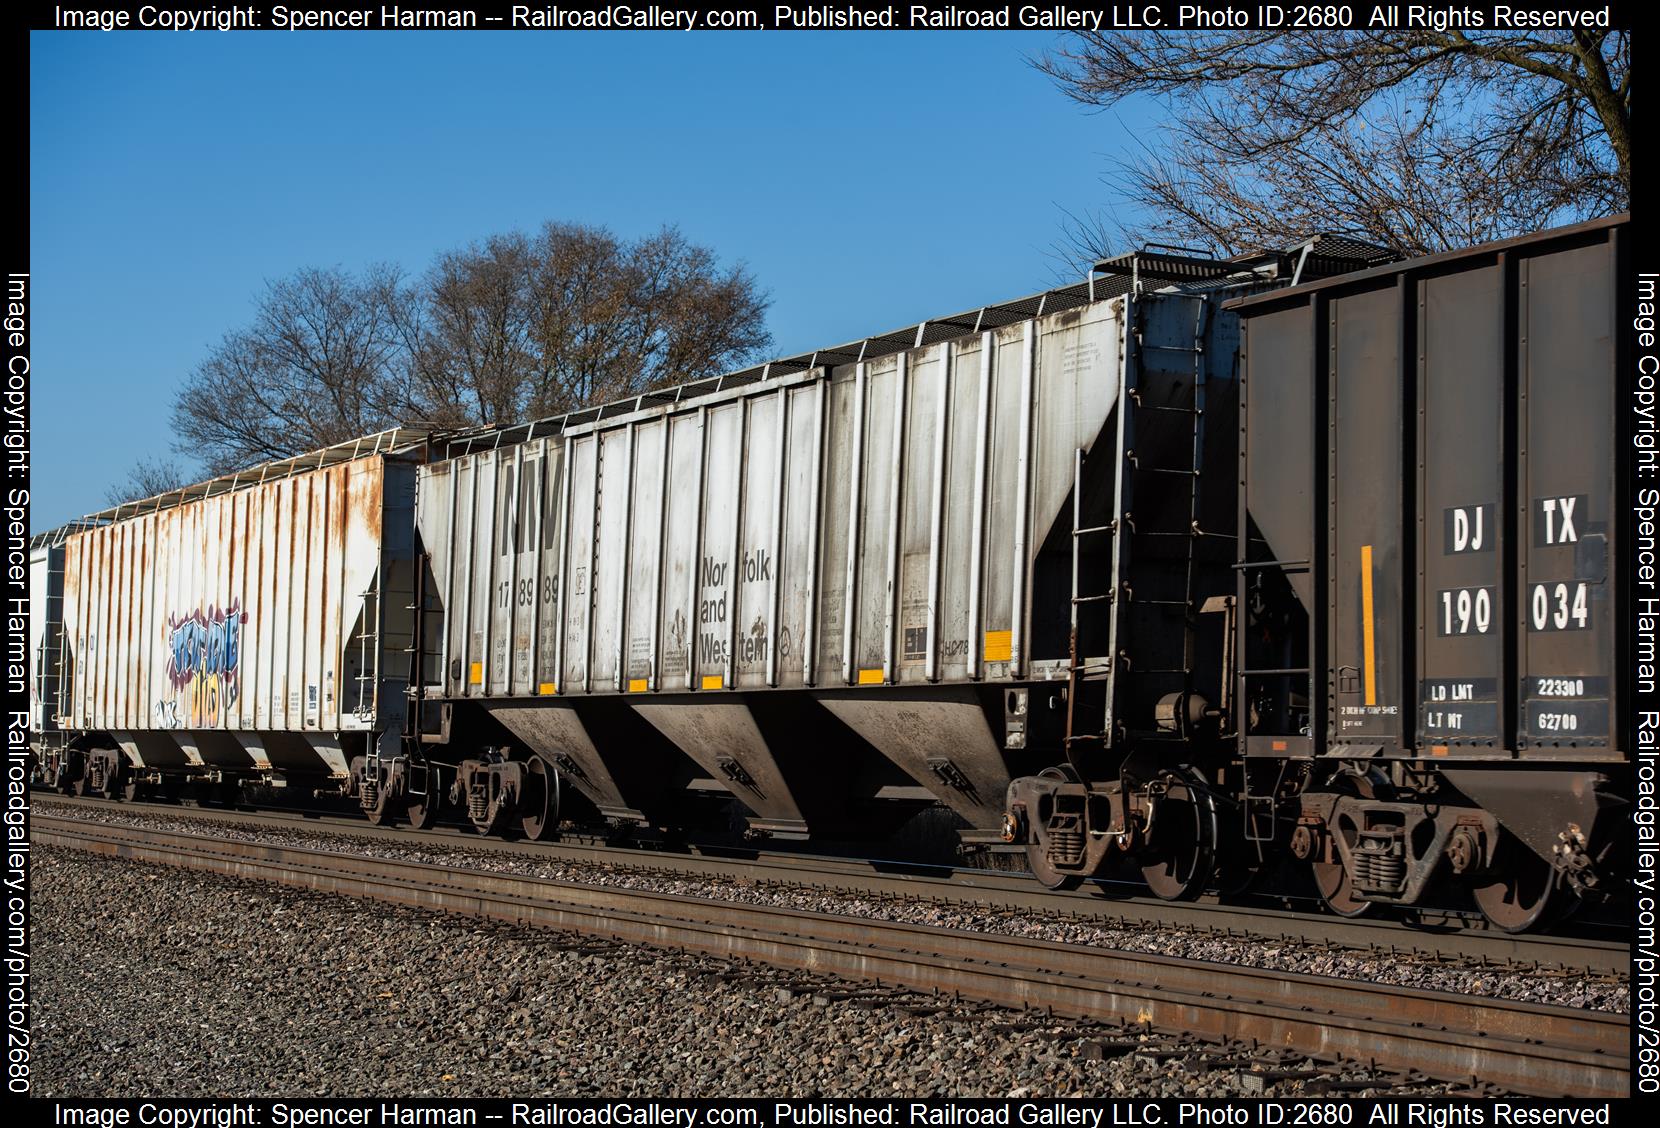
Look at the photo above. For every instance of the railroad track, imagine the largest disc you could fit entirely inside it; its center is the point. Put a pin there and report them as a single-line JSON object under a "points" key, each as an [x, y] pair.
{"points": [[1448, 937], [1522, 1047]]}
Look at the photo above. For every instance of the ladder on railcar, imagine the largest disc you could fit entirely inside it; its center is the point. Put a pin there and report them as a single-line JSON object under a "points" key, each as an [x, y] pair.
{"points": [[1140, 396], [421, 725]]}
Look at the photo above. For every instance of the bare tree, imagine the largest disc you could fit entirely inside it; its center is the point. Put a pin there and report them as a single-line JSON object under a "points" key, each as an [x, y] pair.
{"points": [[322, 362], [520, 326], [693, 320], [147, 478], [505, 330], [582, 292], [477, 349], [1418, 140]]}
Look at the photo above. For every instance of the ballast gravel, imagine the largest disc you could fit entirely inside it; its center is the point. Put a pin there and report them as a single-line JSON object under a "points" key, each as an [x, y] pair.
{"points": [[1542, 986], [154, 981]]}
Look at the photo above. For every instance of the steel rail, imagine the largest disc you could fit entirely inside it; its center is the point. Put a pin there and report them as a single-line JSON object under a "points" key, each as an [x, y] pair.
{"points": [[1523, 1047], [1451, 939]]}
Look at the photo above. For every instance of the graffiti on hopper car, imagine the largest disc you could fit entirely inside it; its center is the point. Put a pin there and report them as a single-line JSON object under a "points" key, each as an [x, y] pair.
{"points": [[204, 653]]}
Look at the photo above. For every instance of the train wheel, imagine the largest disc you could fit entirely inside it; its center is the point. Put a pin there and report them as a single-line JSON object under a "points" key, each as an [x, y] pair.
{"points": [[1522, 891], [382, 812], [1332, 882], [1037, 850], [1331, 879], [493, 821], [539, 800], [1048, 876], [422, 810], [374, 798], [1180, 856], [422, 813]]}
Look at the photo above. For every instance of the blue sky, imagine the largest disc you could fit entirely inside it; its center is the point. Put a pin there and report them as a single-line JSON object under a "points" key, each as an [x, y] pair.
{"points": [[869, 180]]}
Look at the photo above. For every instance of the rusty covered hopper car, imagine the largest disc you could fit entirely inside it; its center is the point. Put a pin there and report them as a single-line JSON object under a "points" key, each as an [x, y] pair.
{"points": [[252, 626], [843, 585]]}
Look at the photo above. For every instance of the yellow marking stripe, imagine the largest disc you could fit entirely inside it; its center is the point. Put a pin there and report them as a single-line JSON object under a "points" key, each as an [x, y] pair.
{"points": [[547, 688], [1368, 633], [713, 681], [999, 645], [476, 674], [870, 677], [637, 685]]}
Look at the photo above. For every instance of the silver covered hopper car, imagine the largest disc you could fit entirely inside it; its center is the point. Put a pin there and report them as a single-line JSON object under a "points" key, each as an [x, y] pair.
{"points": [[845, 585]]}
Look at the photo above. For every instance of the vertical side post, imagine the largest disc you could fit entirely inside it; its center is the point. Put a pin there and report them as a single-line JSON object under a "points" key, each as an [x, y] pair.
{"points": [[809, 633], [781, 422], [936, 521], [697, 549], [657, 556], [977, 535], [855, 501], [896, 498], [566, 451], [734, 573], [1023, 504], [623, 564]]}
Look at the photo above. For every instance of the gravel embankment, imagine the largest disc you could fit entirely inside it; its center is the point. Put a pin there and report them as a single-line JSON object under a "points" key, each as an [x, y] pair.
{"points": [[1585, 993], [151, 981]]}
